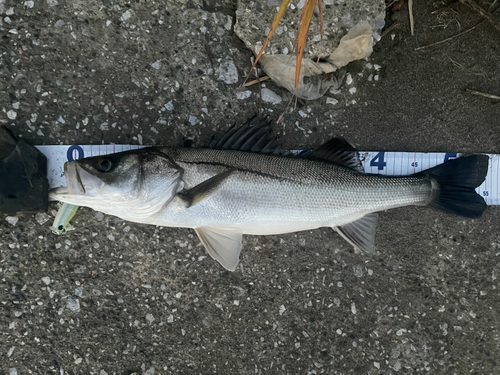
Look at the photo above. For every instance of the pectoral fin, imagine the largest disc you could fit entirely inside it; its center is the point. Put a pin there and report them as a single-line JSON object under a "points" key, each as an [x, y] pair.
{"points": [[223, 244], [361, 233], [204, 189]]}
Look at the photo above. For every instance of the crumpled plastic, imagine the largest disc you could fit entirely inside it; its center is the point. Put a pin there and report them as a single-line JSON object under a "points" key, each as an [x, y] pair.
{"points": [[317, 77], [355, 45]]}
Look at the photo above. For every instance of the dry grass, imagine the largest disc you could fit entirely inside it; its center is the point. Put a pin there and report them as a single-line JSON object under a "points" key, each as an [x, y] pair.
{"points": [[300, 41]]}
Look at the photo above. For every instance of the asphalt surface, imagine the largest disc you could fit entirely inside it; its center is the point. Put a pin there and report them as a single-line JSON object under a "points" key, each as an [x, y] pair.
{"points": [[113, 297]]}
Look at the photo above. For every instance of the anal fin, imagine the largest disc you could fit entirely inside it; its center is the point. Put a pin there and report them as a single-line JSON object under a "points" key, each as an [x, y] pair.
{"points": [[223, 244], [361, 233]]}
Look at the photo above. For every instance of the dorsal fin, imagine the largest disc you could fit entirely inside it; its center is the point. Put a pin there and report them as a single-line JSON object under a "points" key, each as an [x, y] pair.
{"points": [[337, 150], [253, 136]]}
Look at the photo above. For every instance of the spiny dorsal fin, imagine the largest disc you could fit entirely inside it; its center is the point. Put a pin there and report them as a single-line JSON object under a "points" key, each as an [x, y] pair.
{"points": [[253, 136], [361, 233], [204, 189], [337, 150]]}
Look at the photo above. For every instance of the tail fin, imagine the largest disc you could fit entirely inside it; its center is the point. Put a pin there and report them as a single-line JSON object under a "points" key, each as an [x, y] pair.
{"points": [[456, 181]]}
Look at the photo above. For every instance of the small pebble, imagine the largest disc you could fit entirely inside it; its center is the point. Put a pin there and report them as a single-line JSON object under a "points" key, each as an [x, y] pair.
{"points": [[73, 304], [269, 96], [11, 350], [42, 218], [331, 101], [12, 220], [156, 65], [125, 16], [243, 95], [400, 332], [228, 73], [79, 292], [193, 120]]}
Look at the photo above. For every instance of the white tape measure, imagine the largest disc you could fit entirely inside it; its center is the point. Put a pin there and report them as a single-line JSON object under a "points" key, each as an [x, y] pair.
{"points": [[388, 163]]}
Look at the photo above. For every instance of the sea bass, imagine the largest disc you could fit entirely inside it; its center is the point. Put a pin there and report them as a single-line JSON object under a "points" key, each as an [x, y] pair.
{"points": [[246, 184]]}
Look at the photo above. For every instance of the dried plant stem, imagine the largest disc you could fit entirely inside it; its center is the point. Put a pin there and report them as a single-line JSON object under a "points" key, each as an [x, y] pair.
{"points": [[448, 39], [410, 11], [390, 28], [473, 92], [262, 79], [487, 15], [391, 3]]}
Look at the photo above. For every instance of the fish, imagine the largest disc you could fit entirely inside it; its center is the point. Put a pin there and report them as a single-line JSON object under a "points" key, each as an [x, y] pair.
{"points": [[246, 183]]}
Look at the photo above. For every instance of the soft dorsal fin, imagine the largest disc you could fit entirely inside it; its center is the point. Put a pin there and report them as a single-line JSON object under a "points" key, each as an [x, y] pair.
{"points": [[361, 233], [204, 189], [253, 136], [223, 244], [337, 150]]}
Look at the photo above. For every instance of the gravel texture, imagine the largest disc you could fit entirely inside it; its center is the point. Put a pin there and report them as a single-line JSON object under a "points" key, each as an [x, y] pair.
{"points": [[113, 297]]}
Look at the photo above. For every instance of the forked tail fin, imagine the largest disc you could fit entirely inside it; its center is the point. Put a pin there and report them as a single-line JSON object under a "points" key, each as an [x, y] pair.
{"points": [[455, 183]]}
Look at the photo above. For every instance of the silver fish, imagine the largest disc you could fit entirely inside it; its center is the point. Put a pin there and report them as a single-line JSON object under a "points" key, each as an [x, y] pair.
{"points": [[246, 184]]}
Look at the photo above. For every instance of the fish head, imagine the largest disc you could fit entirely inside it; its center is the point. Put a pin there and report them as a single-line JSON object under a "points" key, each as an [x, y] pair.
{"points": [[133, 185]]}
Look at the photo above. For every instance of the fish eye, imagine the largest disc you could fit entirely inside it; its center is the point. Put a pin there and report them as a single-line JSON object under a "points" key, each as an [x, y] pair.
{"points": [[104, 165]]}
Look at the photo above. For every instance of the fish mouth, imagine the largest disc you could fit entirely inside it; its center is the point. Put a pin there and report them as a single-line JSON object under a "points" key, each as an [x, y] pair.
{"points": [[73, 180], [75, 175]]}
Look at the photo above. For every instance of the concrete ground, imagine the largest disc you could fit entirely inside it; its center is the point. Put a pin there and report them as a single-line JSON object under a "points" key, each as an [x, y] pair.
{"points": [[114, 297]]}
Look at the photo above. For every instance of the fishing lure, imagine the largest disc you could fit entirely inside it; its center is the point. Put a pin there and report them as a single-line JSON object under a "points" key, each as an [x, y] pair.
{"points": [[63, 217]]}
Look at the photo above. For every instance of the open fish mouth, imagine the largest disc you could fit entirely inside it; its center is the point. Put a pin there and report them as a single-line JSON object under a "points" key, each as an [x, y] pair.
{"points": [[73, 180], [75, 186]]}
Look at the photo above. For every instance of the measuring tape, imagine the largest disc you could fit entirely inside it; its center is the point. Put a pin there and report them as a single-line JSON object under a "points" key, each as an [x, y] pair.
{"points": [[387, 163]]}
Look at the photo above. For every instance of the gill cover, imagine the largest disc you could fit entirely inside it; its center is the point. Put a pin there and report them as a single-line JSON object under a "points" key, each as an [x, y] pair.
{"points": [[133, 185]]}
